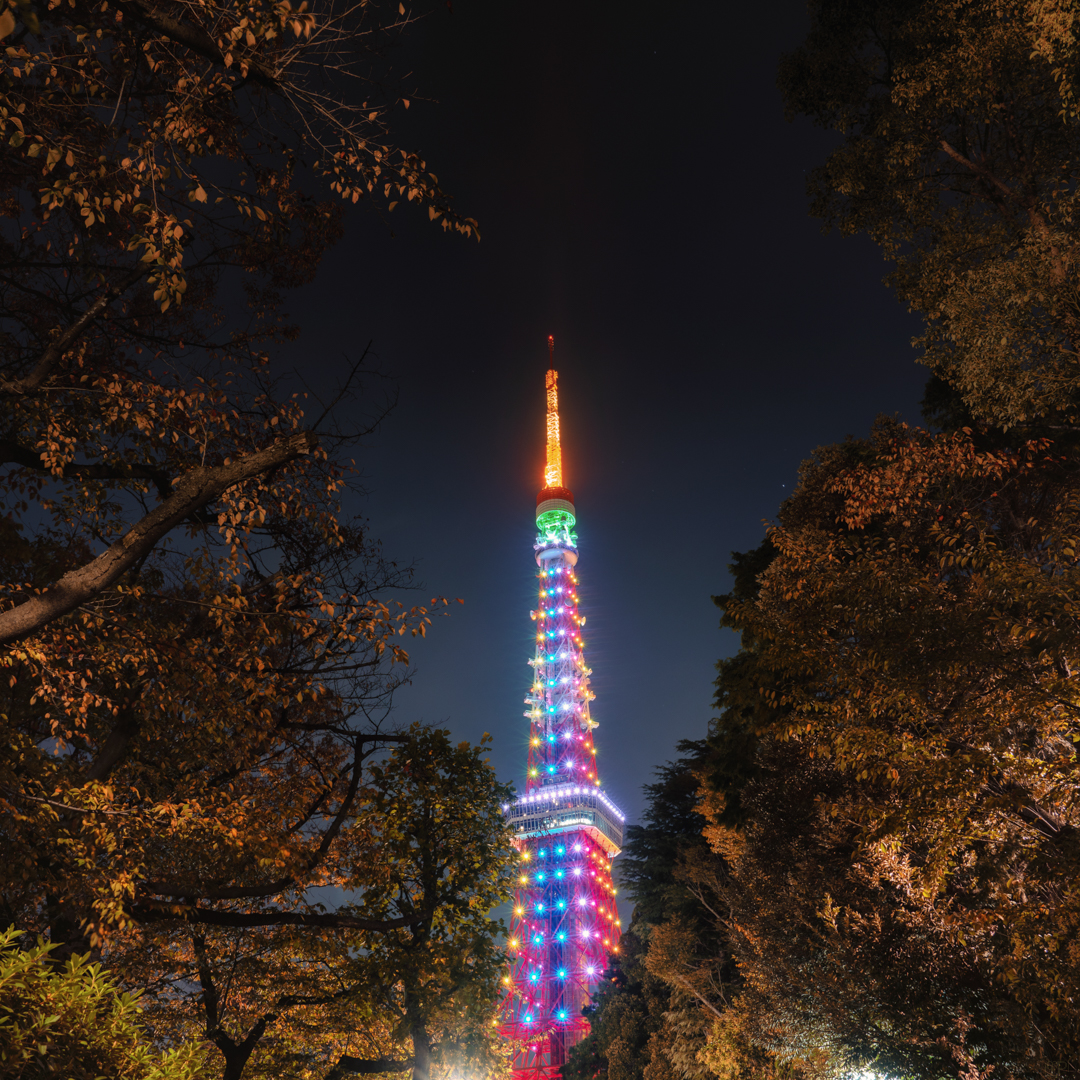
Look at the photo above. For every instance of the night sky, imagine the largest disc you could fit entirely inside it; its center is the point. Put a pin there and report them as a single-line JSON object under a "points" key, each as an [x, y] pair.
{"points": [[642, 198]]}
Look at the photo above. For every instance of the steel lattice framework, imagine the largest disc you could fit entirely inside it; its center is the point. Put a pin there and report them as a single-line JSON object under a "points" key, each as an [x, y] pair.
{"points": [[565, 921]]}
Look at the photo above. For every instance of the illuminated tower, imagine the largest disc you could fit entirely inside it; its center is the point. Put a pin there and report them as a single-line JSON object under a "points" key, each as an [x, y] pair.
{"points": [[565, 922]]}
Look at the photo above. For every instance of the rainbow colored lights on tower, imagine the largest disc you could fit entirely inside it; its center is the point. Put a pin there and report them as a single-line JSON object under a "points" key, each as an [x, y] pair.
{"points": [[565, 922]]}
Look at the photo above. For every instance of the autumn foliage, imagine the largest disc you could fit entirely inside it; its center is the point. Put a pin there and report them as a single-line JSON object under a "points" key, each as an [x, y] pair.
{"points": [[889, 792], [199, 646]]}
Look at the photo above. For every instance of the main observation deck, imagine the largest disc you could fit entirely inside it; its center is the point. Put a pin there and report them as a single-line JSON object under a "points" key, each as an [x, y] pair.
{"points": [[566, 807]]}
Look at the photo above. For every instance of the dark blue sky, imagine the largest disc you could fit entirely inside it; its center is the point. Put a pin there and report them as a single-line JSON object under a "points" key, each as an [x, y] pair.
{"points": [[642, 198]]}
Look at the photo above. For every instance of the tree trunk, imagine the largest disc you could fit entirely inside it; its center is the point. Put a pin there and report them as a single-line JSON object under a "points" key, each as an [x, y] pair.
{"points": [[421, 1042], [65, 929], [236, 1057]]}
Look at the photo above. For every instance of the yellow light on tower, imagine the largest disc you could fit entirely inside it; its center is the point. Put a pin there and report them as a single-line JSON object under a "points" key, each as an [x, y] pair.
{"points": [[553, 468]]}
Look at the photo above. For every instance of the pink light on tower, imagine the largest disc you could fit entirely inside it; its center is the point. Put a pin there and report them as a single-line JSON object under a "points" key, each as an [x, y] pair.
{"points": [[565, 922]]}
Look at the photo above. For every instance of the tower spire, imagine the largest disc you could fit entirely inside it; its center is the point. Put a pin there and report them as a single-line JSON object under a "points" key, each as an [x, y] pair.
{"points": [[567, 831], [553, 467]]}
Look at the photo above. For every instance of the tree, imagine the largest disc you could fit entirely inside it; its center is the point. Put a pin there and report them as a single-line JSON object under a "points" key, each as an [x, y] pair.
{"points": [[198, 647], [650, 1015], [202, 756], [211, 111], [436, 819], [960, 158], [904, 857], [74, 1022], [426, 849]]}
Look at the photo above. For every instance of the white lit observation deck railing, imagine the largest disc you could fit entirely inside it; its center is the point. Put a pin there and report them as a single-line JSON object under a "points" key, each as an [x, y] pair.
{"points": [[565, 807]]}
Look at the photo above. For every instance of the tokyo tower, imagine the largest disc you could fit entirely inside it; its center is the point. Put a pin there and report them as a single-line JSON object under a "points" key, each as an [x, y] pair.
{"points": [[565, 922]]}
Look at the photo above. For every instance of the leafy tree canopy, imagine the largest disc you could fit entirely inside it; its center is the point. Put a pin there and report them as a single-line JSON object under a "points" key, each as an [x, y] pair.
{"points": [[198, 646], [74, 1022], [961, 159], [426, 852], [903, 875]]}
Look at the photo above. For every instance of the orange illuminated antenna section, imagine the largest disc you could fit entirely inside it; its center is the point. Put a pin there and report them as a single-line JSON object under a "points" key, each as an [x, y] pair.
{"points": [[553, 468]]}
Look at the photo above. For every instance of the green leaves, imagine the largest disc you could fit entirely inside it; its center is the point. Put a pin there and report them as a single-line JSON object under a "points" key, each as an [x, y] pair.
{"points": [[73, 1021]]}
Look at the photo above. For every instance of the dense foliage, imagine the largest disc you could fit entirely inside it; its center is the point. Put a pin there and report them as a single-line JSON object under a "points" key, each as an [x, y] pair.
{"points": [[960, 157], [425, 853], [892, 778], [199, 647], [75, 1023], [647, 1019], [889, 793], [903, 853]]}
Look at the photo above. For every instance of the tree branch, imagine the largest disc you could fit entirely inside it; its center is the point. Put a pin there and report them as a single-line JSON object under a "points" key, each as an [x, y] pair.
{"points": [[11, 453], [192, 492], [194, 38], [51, 356], [161, 911], [1038, 220], [272, 888], [352, 1066], [206, 981]]}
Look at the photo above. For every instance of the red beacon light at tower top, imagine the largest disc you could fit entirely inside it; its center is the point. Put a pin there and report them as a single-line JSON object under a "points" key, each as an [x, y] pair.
{"points": [[565, 921]]}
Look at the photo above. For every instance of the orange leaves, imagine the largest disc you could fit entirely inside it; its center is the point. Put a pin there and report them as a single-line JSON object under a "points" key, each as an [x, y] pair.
{"points": [[909, 639], [193, 723]]}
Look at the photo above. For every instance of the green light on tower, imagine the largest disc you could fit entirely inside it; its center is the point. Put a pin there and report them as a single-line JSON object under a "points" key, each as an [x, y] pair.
{"points": [[551, 521]]}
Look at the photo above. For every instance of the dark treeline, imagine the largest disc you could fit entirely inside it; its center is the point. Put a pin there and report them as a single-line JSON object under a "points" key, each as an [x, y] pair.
{"points": [[871, 863]]}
